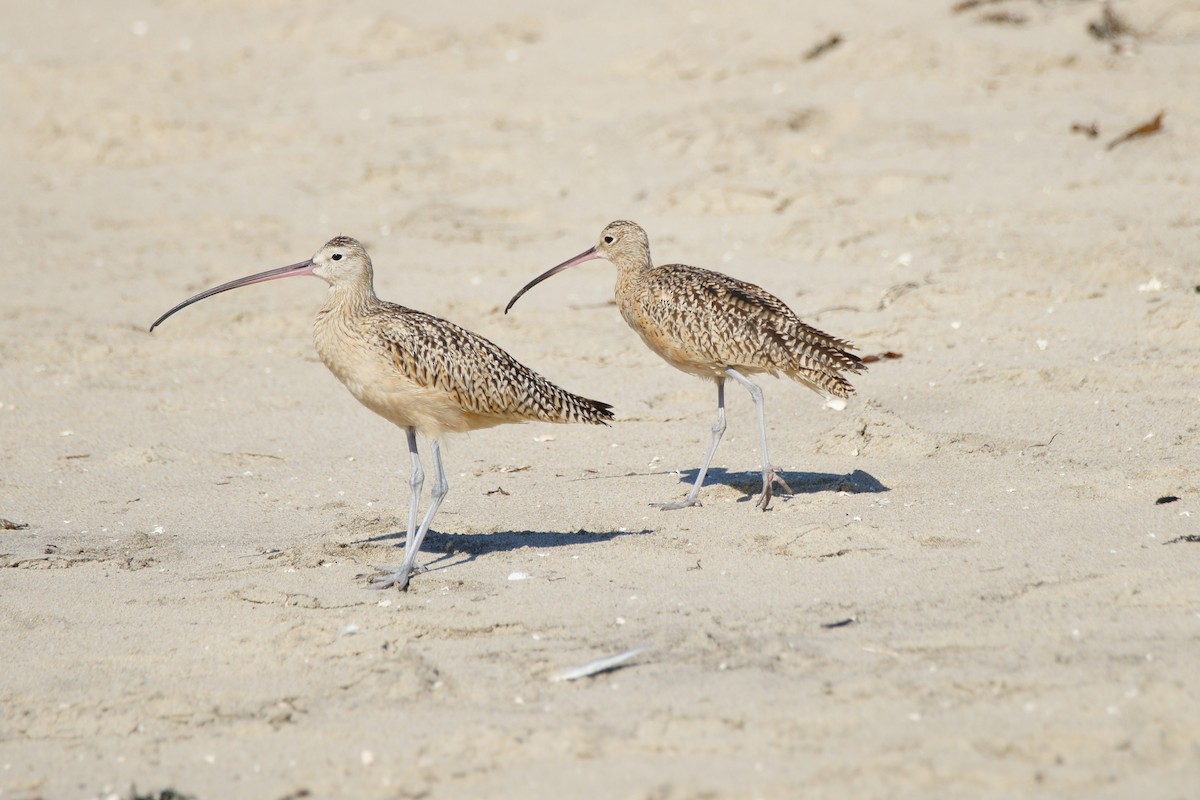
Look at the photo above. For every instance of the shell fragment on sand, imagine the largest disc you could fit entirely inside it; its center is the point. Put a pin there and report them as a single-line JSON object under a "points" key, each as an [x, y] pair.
{"points": [[596, 667]]}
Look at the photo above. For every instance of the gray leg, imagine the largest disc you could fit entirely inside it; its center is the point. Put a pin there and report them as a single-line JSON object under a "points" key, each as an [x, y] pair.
{"points": [[770, 477], [436, 496], [415, 483], [388, 576], [718, 428], [400, 577]]}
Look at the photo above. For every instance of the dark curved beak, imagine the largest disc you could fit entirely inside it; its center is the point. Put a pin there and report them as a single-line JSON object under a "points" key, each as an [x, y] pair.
{"points": [[586, 255], [303, 268]]}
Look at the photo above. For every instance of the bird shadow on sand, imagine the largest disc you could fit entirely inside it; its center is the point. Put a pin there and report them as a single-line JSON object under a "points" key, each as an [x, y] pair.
{"points": [[438, 547], [750, 483]]}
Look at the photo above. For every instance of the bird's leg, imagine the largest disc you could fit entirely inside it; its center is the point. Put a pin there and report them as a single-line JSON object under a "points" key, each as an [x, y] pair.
{"points": [[718, 428], [770, 476], [389, 577], [440, 488], [415, 482]]}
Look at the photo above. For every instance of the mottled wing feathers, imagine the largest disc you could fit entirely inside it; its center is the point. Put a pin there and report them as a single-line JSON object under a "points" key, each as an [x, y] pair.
{"points": [[474, 372], [727, 322]]}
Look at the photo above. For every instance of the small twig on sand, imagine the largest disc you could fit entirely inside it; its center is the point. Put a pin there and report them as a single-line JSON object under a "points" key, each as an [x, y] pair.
{"points": [[1146, 129], [1110, 26], [824, 46]]}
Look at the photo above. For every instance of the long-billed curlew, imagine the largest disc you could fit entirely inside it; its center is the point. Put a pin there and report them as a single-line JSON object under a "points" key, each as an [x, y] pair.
{"points": [[421, 372], [714, 326]]}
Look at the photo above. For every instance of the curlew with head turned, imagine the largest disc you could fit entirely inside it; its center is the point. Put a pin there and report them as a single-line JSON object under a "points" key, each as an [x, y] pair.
{"points": [[425, 374], [714, 326]]}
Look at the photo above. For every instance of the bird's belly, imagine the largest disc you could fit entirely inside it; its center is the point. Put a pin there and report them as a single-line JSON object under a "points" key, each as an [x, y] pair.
{"points": [[692, 357], [375, 382]]}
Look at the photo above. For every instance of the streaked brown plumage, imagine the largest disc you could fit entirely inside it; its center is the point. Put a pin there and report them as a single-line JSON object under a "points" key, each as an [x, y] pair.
{"points": [[421, 371], [416, 370], [714, 326]]}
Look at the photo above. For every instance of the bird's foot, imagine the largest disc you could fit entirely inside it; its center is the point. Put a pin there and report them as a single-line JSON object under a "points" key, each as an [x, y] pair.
{"points": [[685, 503], [770, 478], [387, 577]]}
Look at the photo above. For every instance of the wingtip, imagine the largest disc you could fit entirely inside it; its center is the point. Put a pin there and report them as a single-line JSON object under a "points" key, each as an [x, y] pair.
{"points": [[604, 413]]}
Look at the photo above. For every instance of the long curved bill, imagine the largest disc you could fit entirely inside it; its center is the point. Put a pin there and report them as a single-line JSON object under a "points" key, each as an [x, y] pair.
{"points": [[586, 255], [303, 268]]}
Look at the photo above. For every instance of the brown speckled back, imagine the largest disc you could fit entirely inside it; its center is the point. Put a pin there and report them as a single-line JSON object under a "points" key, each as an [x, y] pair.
{"points": [[704, 322], [421, 371]]}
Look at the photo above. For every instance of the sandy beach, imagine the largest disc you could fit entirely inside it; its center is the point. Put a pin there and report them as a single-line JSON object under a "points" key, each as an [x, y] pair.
{"points": [[986, 583]]}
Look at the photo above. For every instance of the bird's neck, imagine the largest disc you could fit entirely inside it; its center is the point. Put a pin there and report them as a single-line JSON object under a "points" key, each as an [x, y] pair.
{"points": [[631, 265], [631, 270], [351, 298]]}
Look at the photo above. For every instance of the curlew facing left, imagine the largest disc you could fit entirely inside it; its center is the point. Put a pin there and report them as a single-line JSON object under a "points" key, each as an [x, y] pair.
{"points": [[425, 374], [715, 326]]}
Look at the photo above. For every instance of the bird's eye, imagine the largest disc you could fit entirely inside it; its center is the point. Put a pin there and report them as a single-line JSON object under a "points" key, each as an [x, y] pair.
{"points": [[608, 240], [336, 257]]}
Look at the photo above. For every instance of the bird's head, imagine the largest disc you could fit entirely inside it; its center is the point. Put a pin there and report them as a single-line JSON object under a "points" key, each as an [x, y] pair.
{"points": [[342, 261], [622, 243]]}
